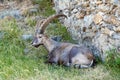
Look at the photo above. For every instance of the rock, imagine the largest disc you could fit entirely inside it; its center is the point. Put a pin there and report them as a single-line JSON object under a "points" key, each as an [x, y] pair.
{"points": [[80, 15], [117, 29], [97, 18], [94, 28], [74, 11], [115, 2], [1, 34], [33, 10], [26, 51], [27, 37], [118, 49], [99, 2], [90, 34], [104, 8], [88, 20], [107, 31], [102, 42], [24, 11], [10, 14], [116, 36], [1, 1], [112, 20], [86, 4], [62, 4]]}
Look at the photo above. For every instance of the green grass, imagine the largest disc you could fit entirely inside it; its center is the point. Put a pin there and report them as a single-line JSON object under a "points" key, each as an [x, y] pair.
{"points": [[45, 7], [15, 65]]}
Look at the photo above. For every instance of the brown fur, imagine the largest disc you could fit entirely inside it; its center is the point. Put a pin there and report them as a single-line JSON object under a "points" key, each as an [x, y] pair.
{"points": [[67, 54]]}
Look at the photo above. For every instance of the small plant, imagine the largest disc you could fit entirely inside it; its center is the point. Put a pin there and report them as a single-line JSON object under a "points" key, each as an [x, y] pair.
{"points": [[113, 59], [57, 29], [30, 22], [45, 7]]}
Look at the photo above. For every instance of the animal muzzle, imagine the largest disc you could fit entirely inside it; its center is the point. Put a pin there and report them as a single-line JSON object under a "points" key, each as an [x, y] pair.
{"points": [[34, 43]]}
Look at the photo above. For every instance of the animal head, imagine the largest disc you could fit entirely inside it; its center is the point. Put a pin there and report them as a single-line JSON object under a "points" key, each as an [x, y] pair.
{"points": [[38, 40], [41, 26]]}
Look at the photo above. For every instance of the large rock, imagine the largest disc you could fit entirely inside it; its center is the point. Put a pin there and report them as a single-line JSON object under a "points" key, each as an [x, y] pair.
{"points": [[94, 23], [97, 18]]}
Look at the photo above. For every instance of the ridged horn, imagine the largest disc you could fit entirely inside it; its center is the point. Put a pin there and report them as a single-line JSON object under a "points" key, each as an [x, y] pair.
{"points": [[48, 20]]}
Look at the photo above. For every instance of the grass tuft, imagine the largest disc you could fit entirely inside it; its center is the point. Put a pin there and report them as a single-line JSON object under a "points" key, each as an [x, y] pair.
{"points": [[45, 7]]}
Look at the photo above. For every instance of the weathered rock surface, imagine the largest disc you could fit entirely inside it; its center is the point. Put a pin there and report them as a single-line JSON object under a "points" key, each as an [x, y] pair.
{"points": [[95, 23]]}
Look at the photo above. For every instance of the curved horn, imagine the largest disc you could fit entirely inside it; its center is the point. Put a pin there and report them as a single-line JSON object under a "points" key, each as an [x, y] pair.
{"points": [[37, 26], [48, 20]]}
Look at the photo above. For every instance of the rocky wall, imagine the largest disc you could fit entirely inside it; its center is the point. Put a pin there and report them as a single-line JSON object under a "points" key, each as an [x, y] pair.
{"points": [[94, 23]]}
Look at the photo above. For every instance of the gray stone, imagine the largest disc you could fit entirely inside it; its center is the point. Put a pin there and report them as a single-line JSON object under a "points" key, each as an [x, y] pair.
{"points": [[26, 51], [33, 10], [88, 20], [94, 19], [116, 36], [27, 37], [75, 11], [12, 13], [1, 34]]}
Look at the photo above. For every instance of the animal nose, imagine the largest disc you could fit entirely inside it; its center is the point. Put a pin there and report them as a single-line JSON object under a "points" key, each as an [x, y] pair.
{"points": [[35, 40], [32, 43]]}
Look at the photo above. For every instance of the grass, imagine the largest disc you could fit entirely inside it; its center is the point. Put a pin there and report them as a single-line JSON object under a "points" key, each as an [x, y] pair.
{"points": [[45, 7], [16, 64]]}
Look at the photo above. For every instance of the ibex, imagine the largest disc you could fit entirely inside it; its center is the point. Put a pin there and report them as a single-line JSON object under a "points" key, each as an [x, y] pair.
{"points": [[67, 54]]}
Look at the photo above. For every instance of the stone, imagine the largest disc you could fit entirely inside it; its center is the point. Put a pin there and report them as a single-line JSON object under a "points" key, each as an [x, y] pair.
{"points": [[1, 34], [10, 14], [118, 49], [116, 36], [26, 51], [112, 20], [74, 11], [24, 11], [107, 31], [86, 4], [115, 2], [90, 35], [99, 2], [27, 37], [117, 29], [33, 10], [104, 8], [97, 18], [88, 20], [62, 4], [102, 42], [80, 15], [93, 28]]}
